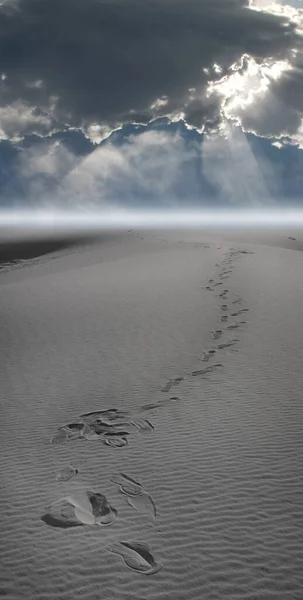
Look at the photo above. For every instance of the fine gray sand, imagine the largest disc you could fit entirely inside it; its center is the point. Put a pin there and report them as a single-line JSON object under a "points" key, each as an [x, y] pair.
{"points": [[151, 419]]}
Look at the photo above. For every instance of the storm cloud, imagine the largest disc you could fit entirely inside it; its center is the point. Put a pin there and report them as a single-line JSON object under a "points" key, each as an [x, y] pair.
{"points": [[99, 64]]}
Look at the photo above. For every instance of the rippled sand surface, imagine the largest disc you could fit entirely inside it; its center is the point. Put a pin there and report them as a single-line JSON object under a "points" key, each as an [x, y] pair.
{"points": [[151, 428]]}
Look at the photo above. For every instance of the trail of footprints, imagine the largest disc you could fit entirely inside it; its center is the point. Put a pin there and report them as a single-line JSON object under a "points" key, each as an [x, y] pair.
{"points": [[114, 428]]}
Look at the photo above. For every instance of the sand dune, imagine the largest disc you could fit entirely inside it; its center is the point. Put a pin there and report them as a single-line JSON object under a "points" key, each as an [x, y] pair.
{"points": [[131, 339]]}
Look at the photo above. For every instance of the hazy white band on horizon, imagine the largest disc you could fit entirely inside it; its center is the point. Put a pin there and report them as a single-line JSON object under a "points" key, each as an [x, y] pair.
{"points": [[150, 219]]}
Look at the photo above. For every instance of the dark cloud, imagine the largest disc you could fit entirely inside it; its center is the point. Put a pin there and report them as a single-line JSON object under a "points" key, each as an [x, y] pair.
{"points": [[73, 63]]}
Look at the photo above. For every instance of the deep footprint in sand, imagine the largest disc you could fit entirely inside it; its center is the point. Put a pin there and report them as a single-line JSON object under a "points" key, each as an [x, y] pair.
{"points": [[137, 497], [92, 508], [71, 431], [217, 334], [223, 318], [171, 383], [227, 344], [236, 325], [206, 356], [224, 307], [224, 293], [83, 508], [136, 556], [111, 426], [207, 370]]}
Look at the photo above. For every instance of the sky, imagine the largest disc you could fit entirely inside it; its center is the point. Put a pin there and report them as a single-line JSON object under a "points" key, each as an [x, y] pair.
{"points": [[151, 104]]}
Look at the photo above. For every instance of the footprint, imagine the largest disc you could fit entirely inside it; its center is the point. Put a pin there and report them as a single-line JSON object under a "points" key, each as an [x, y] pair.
{"points": [[115, 441], [59, 438], [108, 415], [171, 383], [208, 288], [67, 473], [218, 283], [224, 307], [137, 497], [237, 301], [227, 344], [62, 517], [83, 508], [92, 508], [223, 318], [143, 426], [236, 325], [136, 556], [211, 281], [143, 503], [66, 433], [223, 293], [127, 484], [242, 310], [217, 334], [206, 370], [207, 355]]}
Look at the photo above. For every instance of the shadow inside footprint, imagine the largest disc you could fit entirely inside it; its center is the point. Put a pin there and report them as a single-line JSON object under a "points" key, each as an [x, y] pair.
{"points": [[62, 523], [236, 325], [227, 344], [217, 334], [242, 310], [207, 370], [136, 556]]}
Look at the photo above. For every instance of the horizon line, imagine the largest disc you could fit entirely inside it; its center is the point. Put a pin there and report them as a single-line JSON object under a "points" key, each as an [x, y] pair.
{"points": [[149, 218]]}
